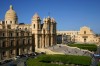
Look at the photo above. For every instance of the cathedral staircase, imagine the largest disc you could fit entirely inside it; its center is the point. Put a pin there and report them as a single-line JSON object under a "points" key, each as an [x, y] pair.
{"points": [[47, 51], [64, 49], [70, 50]]}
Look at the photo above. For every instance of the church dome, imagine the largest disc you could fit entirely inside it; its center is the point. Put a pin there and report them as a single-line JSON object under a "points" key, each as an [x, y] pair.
{"points": [[11, 14]]}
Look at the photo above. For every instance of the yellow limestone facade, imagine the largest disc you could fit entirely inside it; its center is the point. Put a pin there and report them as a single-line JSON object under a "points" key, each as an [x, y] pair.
{"points": [[19, 38], [84, 35], [45, 34]]}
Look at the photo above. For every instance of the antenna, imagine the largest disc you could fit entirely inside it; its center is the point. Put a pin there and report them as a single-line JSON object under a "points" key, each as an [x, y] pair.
{"points": [[48, 13]]}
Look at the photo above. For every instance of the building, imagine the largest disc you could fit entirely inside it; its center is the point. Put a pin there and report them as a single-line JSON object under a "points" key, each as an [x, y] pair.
{"points": [[66, 36], [45, 34], [19, 38], [84, 35]]}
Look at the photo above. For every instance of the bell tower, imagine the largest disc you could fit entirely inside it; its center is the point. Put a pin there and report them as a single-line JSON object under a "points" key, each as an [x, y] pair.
{"points": [[36, 24], [36, 28]]}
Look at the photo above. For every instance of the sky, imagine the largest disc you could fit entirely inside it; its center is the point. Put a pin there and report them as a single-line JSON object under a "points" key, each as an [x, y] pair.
{"points": [[69, 14]]}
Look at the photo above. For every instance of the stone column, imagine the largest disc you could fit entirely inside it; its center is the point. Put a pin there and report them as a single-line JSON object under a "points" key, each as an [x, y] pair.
{"points": [[20, 51], [43, 41], [55, 40], [36, 41], [14, 52], [7, 54], [46, 41], [25, 50], [40, 41], [30, 49], [51, 40]]}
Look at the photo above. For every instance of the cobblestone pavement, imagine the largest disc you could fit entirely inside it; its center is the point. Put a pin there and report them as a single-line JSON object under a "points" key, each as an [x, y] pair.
{"points": [[18, 62]]}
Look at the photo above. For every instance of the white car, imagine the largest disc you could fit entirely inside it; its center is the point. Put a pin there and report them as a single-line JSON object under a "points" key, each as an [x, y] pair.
{"points": [[17, 57]]}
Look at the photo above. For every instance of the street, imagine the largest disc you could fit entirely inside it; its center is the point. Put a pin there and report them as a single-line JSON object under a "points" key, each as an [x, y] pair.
{"points": [[95, 57], [18, 62]]}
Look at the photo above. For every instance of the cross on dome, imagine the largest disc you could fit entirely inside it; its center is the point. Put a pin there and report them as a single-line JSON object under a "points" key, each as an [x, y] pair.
{"points": [[11, 7]]}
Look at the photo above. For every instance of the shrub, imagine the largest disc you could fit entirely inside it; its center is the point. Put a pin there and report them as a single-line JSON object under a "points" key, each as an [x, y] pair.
{"points": [[90, 47]]}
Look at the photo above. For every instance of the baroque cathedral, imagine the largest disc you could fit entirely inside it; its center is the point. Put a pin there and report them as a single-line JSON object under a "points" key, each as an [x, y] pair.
{"points": [[19, 38]]}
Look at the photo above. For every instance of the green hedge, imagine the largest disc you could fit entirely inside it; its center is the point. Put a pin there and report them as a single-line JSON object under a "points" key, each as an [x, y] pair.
{"points": [[66, 59], [90, 47], [99, 64]]}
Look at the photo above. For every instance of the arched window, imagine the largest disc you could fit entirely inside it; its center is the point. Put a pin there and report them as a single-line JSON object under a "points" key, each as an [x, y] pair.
{"points": [[34, 26], [10, 22], [6, 22], [84, 32]]}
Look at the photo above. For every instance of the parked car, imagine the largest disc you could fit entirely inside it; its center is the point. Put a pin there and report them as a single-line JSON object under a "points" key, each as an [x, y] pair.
{"points": [[43, 53], [12, 65], [0, 63], [33, 54], [17, 57]]}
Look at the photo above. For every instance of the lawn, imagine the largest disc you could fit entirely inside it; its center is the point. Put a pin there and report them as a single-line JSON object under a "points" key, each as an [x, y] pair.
{"points": [[59, 60], [90, 47]]}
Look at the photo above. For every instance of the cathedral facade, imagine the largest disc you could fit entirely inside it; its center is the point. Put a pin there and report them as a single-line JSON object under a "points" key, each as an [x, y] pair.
{"points": [[19, 38], [45, 34]]}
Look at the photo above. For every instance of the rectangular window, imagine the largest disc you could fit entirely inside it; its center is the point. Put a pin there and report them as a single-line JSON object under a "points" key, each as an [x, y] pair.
{"points": [[11, 34], [11, 43], [17, 42], [28, 41], [17, 34], [28, 34], [11, 51], [23, 41], [4, 53], [3, 44], [3, 34]]}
